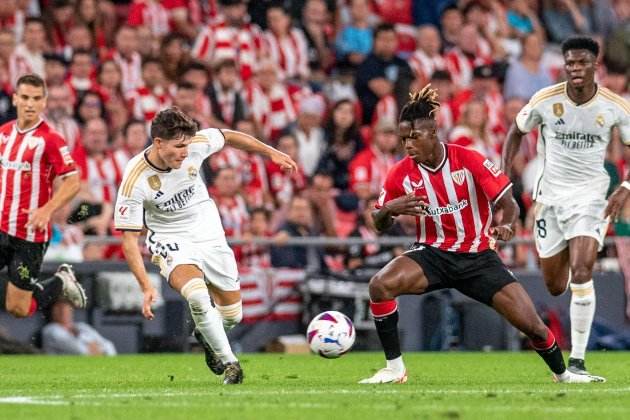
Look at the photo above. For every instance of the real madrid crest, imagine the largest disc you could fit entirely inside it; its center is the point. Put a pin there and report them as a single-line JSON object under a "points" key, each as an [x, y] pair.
{"points": [[192, 172], [154, 182], [558, 109], [600, 120]]}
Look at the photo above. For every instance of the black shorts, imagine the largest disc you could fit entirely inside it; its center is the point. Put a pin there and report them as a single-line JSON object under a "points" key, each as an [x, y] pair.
{"points": [[477, 275], [23, 258]]}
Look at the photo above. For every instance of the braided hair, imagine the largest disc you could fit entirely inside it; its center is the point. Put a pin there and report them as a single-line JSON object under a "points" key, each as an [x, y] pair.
{"points": [[421, 105]]}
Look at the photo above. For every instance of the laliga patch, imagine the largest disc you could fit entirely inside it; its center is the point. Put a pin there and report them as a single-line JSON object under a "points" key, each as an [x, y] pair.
{"points": [[65, 154], [493, 169]]}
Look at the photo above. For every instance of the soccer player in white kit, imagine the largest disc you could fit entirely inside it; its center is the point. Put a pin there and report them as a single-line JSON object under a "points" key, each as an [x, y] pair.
{"points": [[575, 119], [162, 191]]}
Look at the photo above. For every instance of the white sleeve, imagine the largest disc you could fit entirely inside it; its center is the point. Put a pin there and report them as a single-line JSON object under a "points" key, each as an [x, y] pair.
{"points": [[129, 210], [208, 141], [623, 122], [528, 118]]}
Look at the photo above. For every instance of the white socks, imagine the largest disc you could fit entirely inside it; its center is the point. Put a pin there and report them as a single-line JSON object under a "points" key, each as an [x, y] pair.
{"points": [[396, 365], [207, 319], [582, 312]]}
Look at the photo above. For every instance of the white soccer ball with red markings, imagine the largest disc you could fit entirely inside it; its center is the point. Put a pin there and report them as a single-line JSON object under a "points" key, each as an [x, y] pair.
{"points": [[330, 334]]}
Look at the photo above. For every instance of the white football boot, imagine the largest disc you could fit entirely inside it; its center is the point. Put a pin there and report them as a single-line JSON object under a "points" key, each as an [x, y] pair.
{"points": [[72, 289], [569, 377], [386, 376]]}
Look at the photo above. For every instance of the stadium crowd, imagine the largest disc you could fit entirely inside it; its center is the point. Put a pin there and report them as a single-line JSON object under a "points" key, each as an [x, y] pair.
{"points": [[320, 80]]}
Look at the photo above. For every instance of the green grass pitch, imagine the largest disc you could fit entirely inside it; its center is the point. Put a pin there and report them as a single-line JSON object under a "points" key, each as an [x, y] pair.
{"points": [[441, 385]]}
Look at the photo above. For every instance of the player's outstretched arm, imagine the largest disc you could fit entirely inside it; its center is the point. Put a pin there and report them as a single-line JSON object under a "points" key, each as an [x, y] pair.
{"points": [[136, 265], [250, 144], [510, 149], [67, 189], [504, 229]]}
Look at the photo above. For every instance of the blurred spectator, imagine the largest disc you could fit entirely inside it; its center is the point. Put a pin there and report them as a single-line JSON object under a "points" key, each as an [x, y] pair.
{"points": [[473, 131], [371, 255], [489, 19], [319, 34], [379, 75], [564, 18], [89, 107], [527, 75], [299, 224], [7, 110], [79, 39], [59, 114], [64, 336], [99, 17], [135, 140], [59, 16], [309, 134], [147, 100], [522, 20], [31, 50], [80, 78], [441, 81], [452, 21], [394, 11], [225, 94], [126, 55], [109, 79], [55, 68], [484, 86], [470, 52], [187, 98], [253, 255], [284, 185], [273, 103], [369, 167], [617, 46], [427, 59], [231, 37], [354, 41], [148, 43], [174, 55], [12, 18], [66, 240], [286, 45], [150, 14]]}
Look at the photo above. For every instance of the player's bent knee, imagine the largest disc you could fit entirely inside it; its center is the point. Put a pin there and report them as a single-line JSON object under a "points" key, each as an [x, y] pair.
{"points": [[581, 273], [231, 314], [196, 294], [382, 287]]}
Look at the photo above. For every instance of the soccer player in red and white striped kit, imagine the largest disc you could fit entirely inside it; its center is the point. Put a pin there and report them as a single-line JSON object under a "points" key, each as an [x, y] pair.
{"points": [[32, 156], [452, 191]]}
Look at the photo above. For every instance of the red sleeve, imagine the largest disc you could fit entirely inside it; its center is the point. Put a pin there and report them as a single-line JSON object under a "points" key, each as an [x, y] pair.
{"points": [[492, 181], [392, 188], [58, 155], [135, 17], [173, 4]]}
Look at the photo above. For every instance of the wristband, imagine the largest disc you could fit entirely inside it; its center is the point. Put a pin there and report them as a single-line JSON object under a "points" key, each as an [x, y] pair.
{"points": [[625, 184]]}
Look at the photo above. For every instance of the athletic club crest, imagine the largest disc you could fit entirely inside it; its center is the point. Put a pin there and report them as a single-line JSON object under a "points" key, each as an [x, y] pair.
{"points": [[154, 182], [192, 172], [458, 177], [558, 110]]}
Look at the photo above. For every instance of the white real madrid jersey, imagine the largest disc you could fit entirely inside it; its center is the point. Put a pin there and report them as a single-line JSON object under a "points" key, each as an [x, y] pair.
{"points": [[573, 141], [174, 202]]}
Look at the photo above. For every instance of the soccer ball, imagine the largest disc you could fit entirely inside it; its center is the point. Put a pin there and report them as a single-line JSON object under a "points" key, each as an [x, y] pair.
{"points": [[330, 334]]}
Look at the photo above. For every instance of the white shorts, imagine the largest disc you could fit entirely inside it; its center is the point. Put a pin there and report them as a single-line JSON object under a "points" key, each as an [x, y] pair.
{"points": [[216, 261], [554, 226]]}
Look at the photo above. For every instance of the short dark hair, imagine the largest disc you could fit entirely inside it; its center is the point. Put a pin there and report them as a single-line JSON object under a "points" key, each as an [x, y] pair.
{"points": [[383, 27], [31, 80], [131, 122], [195, 65], [580, 43], [173, 123], [186, 86], [421, 105], [34, 19], [265, 212], [222, 64], [151, 60]]}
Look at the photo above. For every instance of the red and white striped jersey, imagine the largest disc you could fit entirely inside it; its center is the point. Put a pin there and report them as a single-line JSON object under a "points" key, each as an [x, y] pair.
{"points": [[219, 41], [17, 67], [102, 175], [284, 185], [459, 193], [290, 53], [461, 66], [251, 172], [14, 23], [424, 66], [29, 162], [145, 103], [276, 109], [386, 109], [370, 167], [151, 14], [69, 130], [131, 70]]}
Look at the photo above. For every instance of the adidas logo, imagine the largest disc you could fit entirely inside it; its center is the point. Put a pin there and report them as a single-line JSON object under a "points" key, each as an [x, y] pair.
{"points": [[560, 121], [158, 194]]}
